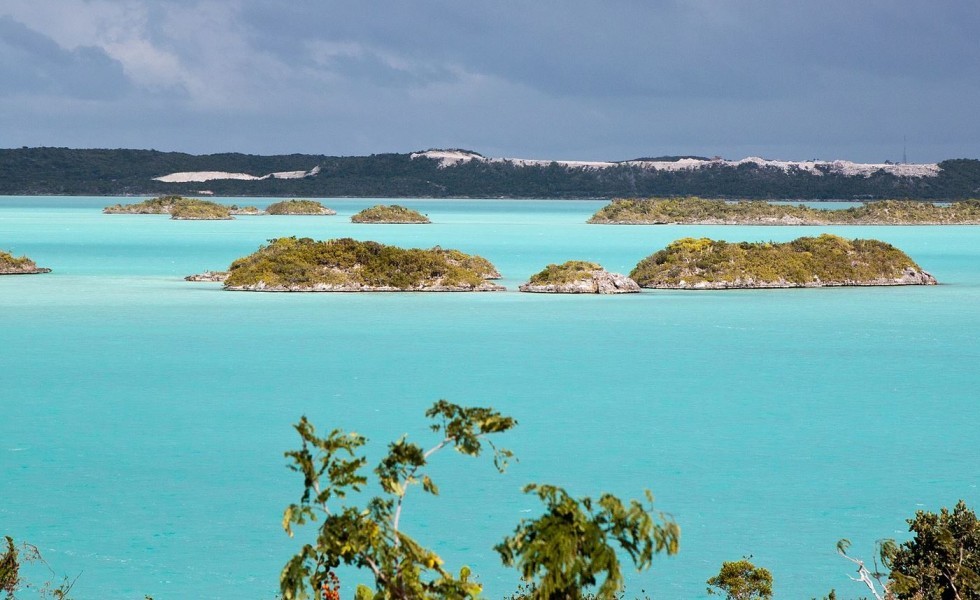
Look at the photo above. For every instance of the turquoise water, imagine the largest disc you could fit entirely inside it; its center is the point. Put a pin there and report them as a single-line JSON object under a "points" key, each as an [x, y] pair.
{"points": [[143, 418]]}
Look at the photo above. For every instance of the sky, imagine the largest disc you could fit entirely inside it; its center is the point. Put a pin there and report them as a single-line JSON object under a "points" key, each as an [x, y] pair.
{"points": [[861, 80]]}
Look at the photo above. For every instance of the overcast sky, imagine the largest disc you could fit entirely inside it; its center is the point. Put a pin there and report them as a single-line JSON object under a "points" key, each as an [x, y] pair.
{"points": [[575, 80]]}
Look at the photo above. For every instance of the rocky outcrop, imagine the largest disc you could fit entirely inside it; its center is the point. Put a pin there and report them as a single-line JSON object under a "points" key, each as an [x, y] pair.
{"points": [[11, 265], [209, 276], [245, 210], [579, 277], [910, 276], [435, 286], [601, 282]]}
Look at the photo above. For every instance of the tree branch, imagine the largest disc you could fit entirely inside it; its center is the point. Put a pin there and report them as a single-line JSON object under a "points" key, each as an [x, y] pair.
{"points": [[865, 576]]}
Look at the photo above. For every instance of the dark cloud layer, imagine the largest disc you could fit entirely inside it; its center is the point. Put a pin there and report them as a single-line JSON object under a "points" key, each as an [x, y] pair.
{"points": [[571, 79], [31, 63]]}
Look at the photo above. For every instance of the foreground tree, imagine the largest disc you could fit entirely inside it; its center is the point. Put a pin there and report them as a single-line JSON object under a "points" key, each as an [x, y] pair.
{"points": [[741, 580], [564, 551], [942, 560], [370, 537]]}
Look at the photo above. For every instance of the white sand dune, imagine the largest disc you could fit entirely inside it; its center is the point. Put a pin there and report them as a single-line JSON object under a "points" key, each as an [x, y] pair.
{"points": [[449, 158], [200, 176]]}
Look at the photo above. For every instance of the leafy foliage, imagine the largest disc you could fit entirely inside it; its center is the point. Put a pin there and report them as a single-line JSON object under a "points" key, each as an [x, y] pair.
{"points": [[370, 537], [941, 561], [299, 207], [741, 580], [573, 270], [693, 210], [823, 260], [393, 213], [568, 548], [350, 264]]}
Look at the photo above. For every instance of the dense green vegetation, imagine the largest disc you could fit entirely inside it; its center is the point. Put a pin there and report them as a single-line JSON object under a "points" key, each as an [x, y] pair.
{"points": [[807, 261], [942, 560], [392, 213], [10, 264], [29, 171], [693, 210], [194, 209], [351, 265], [299, 207], [573, 270]]}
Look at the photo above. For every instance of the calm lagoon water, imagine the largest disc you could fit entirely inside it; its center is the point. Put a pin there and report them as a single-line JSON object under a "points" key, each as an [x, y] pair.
{"points": [[143, 418]]}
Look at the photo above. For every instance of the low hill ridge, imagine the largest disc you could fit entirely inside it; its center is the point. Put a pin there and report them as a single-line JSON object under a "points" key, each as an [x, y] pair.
{"points": [[458, 173]]}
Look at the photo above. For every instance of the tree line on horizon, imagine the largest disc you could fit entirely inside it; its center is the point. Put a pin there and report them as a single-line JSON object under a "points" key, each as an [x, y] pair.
{"points": [[65, 171]]}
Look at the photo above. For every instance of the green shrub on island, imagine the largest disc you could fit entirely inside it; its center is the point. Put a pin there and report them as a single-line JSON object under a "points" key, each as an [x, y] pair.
{"points": [[161, 205], [13, 265], [693, 210], [567, 272], [393, 213], [471, 262], [347, 265], [192, 209], [827, 260], [299, 207]]}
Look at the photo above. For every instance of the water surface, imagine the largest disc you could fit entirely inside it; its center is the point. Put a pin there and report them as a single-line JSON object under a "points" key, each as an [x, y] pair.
{"points": [[144, 418]]}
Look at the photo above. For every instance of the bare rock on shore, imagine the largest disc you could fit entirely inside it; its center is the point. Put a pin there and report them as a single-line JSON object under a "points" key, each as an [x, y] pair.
{"points": [[208, 276], [12, 265], [579, 277]]}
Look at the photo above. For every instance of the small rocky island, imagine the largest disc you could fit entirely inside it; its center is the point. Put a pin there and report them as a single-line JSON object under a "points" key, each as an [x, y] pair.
{"points": [[181, 209], [824, 261], [698, 211], [208, 276], [347, 265], [299, 207], [579, 277], [389, 214], [12, 265]]}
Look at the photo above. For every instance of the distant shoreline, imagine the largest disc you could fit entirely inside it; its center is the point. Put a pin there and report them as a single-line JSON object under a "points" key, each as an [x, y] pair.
{"points": [[463, 174]]}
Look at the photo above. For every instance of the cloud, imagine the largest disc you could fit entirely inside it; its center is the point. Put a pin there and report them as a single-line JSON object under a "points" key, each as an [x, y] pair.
{"points": [[31, 63]]}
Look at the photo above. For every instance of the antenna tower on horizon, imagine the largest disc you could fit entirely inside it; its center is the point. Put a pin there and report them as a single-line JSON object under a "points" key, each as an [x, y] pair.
{"points": [[905, 145]]}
